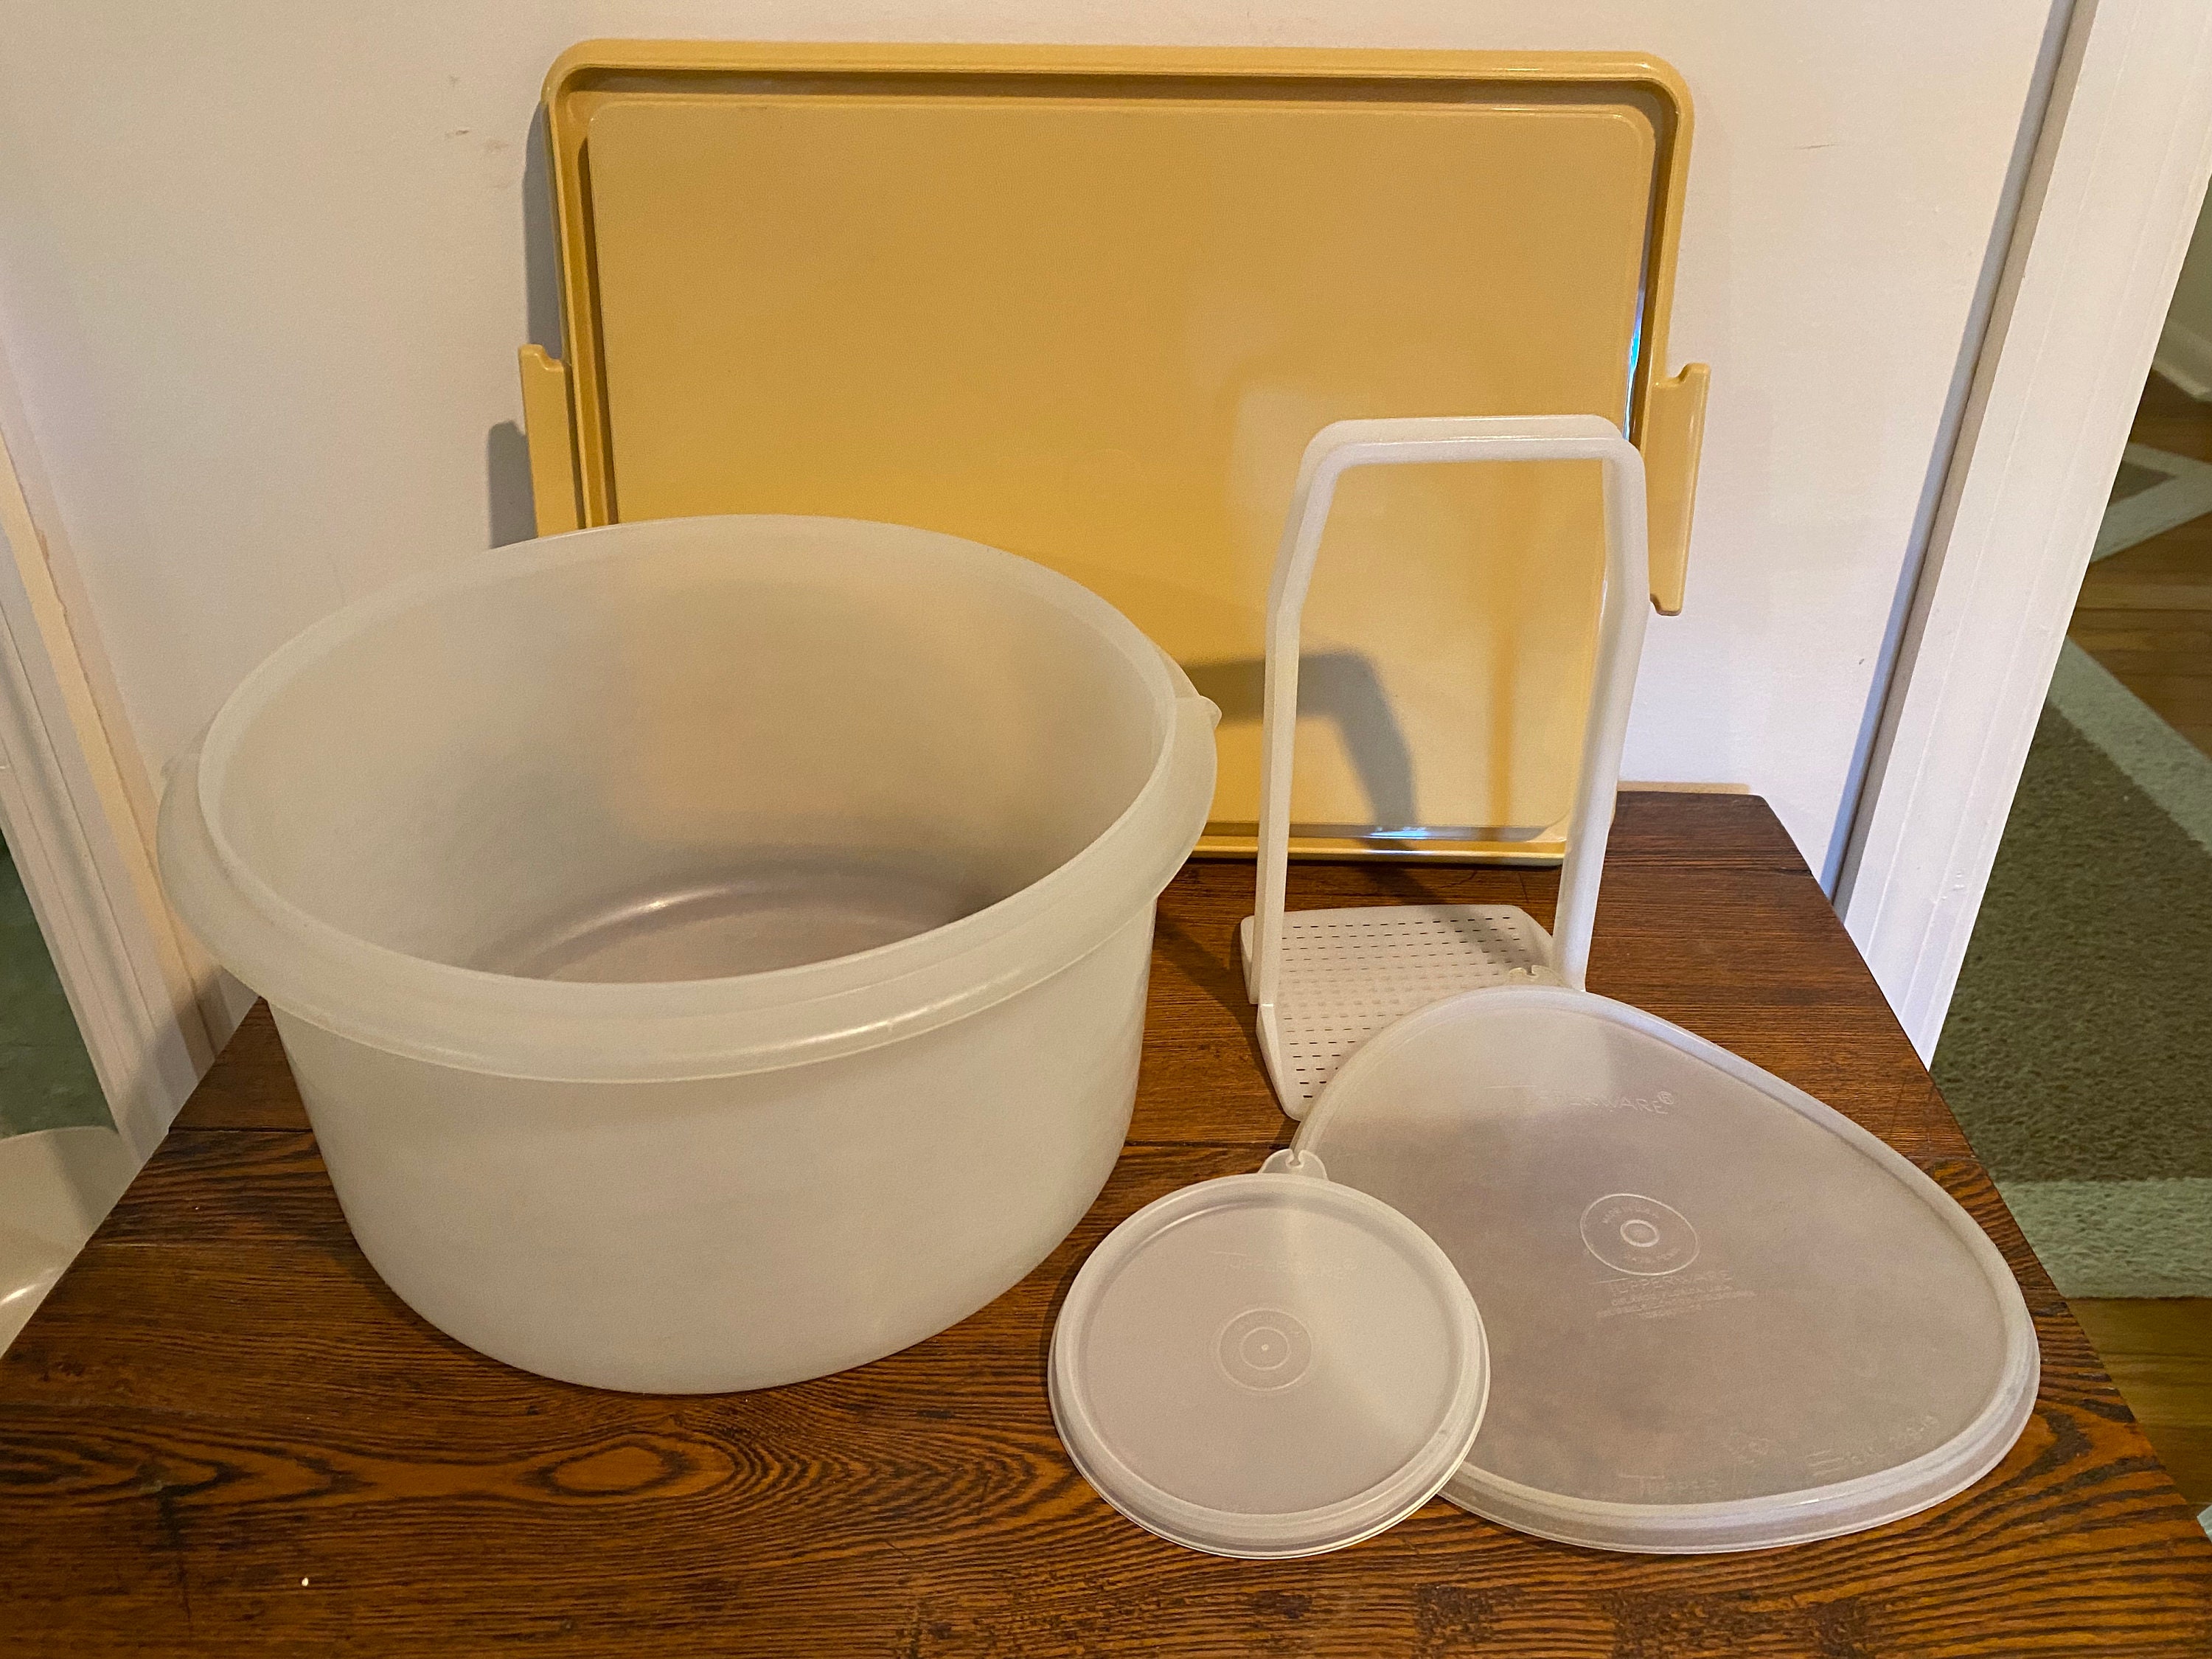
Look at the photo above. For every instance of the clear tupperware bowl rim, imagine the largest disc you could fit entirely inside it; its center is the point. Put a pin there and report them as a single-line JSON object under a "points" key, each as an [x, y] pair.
{"points": [[515, 1026]]}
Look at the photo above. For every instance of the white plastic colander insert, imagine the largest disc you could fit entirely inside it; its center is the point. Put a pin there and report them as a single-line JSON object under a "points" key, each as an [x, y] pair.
{"points": [[1326, 980]]}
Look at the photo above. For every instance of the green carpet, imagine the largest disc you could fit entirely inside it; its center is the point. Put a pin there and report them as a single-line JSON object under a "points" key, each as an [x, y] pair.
{"points": [[2077, 1053], [46, 1080]]}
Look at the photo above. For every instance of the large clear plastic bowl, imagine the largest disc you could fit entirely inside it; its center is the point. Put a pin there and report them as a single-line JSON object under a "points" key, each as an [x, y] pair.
{"points": [[712, 951]]}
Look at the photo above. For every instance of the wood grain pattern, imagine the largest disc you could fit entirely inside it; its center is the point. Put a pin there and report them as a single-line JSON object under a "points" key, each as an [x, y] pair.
{"points": [[2160, 1354], [249, 1086], [222, 1400]]}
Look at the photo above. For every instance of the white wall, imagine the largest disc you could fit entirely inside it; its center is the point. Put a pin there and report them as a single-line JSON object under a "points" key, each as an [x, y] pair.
{"points": [[263, 273]]}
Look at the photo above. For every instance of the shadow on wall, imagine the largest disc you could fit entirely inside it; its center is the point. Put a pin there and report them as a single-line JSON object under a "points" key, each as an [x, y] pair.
{"points": [[512, 515], [1343, 688]]}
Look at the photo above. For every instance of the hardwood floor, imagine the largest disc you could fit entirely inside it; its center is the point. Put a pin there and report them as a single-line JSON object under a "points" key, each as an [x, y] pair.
{"points": [[2146, 614], [2160, 1355]]}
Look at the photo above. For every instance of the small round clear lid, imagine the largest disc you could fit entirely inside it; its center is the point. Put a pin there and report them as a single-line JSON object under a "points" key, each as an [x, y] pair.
{"points": [[1720, 1315], [1267, 1365]]}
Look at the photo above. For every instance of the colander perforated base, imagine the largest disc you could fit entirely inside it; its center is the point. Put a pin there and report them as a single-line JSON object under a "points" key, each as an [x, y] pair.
{"points": [[1348, 974]]}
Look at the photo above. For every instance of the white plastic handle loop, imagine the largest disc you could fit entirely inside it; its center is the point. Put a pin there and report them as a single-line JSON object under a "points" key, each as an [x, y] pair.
{"points": [[1335, 450]]}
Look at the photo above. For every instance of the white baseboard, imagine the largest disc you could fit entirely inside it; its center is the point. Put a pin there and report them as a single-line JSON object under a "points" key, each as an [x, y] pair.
{"points": [[68, 804], [2185, 357]]}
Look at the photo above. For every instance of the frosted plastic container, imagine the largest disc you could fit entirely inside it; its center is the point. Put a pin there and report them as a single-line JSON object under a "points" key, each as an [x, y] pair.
{"points": [[712, 951]]}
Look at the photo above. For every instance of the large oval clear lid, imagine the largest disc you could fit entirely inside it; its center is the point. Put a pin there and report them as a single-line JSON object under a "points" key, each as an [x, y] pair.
{"points": [[1720, 1315], [1267, 1365]]}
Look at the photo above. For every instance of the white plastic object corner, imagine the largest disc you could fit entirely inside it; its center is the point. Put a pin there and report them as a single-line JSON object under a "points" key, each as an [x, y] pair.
{"points": [[1335, 450]]}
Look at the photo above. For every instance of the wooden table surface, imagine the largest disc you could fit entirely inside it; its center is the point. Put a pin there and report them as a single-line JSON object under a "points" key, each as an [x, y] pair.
{"points": [[222, 1435]]}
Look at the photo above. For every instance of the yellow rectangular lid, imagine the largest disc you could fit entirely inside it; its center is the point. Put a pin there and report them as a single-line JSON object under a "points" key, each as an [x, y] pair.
{"points": [[1088, 305]]}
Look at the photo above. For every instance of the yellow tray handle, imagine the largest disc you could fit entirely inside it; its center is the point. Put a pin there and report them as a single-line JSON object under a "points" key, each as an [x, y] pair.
{"points": [[1674, 431], [551, 435]]}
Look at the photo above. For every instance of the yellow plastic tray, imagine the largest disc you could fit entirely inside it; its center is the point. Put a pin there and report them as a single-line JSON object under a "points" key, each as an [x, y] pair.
{"points": [[1088, 305]]}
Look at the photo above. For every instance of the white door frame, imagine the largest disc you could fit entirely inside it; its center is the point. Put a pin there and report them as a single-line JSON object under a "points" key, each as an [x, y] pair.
{"points": [[2112, 197], [77, 808]]}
